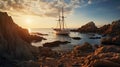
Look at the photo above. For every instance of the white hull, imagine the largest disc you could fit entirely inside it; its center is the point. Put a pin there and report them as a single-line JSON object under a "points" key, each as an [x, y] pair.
{"points": [[62, 32]]}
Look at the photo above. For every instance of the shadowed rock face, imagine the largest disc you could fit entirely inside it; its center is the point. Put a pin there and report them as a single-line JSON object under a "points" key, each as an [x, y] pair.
{"points": [[14, 40], [15, 45], [114, 28], [89, 27], [111, 29], [111, 40], [103, 28]]}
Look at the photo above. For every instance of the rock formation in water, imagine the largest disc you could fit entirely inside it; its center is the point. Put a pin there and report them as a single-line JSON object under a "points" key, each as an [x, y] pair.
{"points": [[113, 30], [109, 29], [55, 43], [88, 28], [76, 38]]}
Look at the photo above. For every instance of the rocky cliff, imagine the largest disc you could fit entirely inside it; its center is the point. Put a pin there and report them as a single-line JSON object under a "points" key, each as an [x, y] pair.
{"points": [[14, 40], [15, 45]]}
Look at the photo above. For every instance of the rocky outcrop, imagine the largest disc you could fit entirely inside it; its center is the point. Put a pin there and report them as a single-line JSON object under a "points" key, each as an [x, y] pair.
{"points": [[54, 43], [82, 49], [106, 49], [14, 40], [76, 38], [37, 33], [36, 38], [109, 29], [111, 40], [47, 52], [86, 47], [103, 28], [104, 56], [113, 29], [88, 28], [94, 37]]}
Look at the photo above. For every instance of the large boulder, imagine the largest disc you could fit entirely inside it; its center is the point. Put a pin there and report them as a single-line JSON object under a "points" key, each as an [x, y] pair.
{"points": [[54, 43]]}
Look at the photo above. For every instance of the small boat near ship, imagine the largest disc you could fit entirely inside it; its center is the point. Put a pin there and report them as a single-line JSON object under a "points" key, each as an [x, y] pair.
{"points": [[61, 30]]}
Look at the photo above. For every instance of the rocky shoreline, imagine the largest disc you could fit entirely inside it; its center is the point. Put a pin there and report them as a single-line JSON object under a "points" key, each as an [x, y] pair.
{"points": [[16, 49], [112, 29]]}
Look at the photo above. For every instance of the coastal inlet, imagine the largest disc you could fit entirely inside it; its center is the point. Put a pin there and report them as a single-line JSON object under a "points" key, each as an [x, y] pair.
{"points": [[74, 38]]}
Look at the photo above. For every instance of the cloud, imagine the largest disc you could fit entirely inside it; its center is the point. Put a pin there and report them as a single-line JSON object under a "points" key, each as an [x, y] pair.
{"points": [[89, 1], [96, 1], [49, 8]]}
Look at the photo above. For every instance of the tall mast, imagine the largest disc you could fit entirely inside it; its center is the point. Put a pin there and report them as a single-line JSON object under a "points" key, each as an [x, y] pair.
{"points": [[59, 20], [63, 16]]}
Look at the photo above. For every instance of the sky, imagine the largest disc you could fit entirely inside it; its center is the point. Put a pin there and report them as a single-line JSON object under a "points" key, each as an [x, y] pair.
{"points": [[44, 13]]}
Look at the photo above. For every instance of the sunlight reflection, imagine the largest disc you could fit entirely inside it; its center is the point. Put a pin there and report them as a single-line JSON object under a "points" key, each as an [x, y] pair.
{"points": [[29, 30]]}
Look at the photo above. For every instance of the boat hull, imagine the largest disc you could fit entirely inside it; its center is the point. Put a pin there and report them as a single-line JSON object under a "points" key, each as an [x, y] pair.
{"points": [[61, 32]]}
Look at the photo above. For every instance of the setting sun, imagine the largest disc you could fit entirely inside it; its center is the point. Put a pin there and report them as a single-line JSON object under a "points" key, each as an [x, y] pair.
{"points": [[28, 20]]}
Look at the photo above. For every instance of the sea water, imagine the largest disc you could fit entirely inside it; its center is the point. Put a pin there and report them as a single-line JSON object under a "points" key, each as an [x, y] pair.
{"points": [[53, 37]]}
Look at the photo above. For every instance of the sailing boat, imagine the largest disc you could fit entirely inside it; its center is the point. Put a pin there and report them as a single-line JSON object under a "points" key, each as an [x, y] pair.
{"points": [[61, 30]]}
